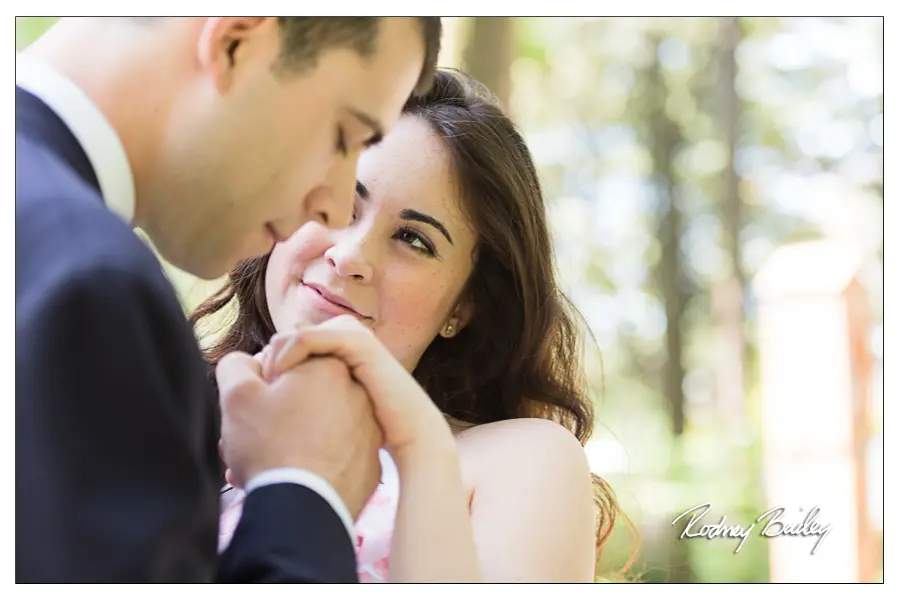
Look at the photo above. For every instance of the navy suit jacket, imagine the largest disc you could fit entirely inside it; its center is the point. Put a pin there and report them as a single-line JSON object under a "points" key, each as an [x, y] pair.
{"points": [[117, 470]]}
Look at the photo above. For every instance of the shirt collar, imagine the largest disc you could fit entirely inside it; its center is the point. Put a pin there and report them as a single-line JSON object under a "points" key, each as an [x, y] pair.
{"points": [[93, 131]]}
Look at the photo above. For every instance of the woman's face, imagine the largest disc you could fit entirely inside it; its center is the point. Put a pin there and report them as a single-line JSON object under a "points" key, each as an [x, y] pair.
{"points": [[401, 265]]}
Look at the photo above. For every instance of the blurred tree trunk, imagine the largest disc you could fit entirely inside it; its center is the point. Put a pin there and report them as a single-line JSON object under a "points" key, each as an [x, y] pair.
{"points": [[728, 296], [664, 139], [488, 54], [452, 40]]}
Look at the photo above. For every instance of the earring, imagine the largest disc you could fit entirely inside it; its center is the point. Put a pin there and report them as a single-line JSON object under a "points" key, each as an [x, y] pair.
{"points": [[449, 330]]}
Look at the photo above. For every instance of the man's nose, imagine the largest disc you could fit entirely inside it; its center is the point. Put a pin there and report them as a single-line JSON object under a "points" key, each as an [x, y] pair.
{"points": [[332, 204]]}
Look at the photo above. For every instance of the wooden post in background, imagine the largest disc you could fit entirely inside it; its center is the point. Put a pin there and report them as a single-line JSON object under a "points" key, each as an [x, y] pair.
{"points": [[488, 54], [815, 374]]}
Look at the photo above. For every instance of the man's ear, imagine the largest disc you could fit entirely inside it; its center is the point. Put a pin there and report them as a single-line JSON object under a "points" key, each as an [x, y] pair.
{"points": [[226, 43]]}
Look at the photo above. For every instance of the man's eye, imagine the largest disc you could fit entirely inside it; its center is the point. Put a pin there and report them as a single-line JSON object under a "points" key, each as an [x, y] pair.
{"points": [[341, 141]]}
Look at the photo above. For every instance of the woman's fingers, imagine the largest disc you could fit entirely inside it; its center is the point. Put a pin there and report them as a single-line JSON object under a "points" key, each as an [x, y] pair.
{"points": [[342, 337]]}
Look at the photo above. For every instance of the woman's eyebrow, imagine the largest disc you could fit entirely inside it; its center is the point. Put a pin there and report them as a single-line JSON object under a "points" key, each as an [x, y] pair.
{"points": [[414, 215]]}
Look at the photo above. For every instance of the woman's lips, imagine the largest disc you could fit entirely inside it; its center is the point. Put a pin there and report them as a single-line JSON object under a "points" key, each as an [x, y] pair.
{"points": [[329, 303]]}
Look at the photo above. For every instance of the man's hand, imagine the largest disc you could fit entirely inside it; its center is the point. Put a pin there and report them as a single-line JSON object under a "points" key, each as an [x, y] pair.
{"points": [[312, 416], [410, 421]]}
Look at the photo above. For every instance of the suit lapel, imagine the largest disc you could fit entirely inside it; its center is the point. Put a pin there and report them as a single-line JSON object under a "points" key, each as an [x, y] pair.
{"points": [[37, 122]]}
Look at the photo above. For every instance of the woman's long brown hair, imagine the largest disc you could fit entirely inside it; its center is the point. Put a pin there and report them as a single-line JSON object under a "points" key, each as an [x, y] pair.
{"points": [[520, 353]]}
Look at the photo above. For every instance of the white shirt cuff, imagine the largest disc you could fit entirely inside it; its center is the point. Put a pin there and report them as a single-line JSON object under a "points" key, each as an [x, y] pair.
{"points": [[309, 480]]}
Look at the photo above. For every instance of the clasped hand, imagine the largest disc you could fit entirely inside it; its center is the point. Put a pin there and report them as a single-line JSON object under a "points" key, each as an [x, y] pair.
{"points": [[324, 398]]}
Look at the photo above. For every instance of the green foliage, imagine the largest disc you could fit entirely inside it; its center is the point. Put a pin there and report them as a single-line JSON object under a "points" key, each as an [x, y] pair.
{"points": [[586, 95]]}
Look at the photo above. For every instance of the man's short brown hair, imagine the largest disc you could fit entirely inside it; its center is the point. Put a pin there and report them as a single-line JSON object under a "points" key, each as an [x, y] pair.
{"points": [[304, 38]]}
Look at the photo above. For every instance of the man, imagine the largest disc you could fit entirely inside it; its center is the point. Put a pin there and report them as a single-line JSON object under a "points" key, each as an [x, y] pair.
{"points": [[217, 137]]}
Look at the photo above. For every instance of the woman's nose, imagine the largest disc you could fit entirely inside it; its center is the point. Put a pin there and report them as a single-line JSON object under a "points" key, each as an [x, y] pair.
{"points": [[347, 257]]}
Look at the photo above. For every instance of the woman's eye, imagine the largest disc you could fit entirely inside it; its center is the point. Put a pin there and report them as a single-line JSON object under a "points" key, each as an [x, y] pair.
{"points": [[415, 241]]}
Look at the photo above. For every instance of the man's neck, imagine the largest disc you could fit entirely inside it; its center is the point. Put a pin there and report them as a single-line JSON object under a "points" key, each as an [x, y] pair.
{"points": [[114, 70]]}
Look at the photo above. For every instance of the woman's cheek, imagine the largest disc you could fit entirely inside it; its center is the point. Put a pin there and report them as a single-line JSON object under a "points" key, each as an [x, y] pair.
{"points": [[411, 314]]}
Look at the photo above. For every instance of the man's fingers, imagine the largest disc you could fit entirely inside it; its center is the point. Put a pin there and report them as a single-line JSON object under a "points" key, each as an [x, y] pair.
{"points": [[283, 354], [236, 370]]}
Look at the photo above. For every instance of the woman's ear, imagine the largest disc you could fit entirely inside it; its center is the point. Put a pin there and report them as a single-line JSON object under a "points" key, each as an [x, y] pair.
{"points": [[463, 312], [457, 321]]}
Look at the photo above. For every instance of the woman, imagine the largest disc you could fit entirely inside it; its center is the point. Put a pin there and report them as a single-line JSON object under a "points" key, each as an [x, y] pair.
{"points": [[448, 262]]}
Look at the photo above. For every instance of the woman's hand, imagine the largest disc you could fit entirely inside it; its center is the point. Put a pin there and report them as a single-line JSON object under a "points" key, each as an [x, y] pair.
{"points": [[407, 416], [432, 538]]}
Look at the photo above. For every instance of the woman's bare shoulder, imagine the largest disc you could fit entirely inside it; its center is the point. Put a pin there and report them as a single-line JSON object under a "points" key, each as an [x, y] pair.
{"points": [[537, 446]]}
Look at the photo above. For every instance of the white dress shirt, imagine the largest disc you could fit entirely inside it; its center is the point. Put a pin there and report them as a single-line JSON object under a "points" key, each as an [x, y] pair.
{"points": [[107, 156]]}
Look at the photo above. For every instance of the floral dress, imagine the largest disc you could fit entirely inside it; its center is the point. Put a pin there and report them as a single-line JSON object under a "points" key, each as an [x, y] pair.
{"points": [[374, 527]]}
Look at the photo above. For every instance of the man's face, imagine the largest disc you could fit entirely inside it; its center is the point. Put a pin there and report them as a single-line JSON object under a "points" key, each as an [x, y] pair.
{"points": [[251, 153]]}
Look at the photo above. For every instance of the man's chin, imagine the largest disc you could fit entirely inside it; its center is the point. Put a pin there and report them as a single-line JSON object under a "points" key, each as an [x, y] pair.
{"points": [[211, 268], [253, 249], [182, 267], [209, 273]]}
